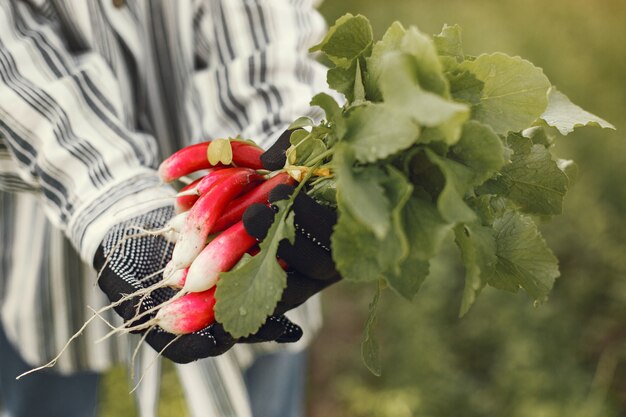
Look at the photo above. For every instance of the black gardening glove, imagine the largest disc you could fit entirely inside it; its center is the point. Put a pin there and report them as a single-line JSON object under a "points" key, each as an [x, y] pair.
{"points": [[311, 267], [133, 264]]}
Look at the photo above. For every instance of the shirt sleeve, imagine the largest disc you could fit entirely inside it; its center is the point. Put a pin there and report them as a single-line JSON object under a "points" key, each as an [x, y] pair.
{"points": [[255, 73], [61, 136]]}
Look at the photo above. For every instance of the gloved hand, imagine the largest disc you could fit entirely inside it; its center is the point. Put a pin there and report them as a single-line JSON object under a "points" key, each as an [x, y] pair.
{"points": [[311, 265], [126, 266]]}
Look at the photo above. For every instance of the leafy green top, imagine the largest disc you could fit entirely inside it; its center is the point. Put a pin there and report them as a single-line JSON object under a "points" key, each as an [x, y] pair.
{"points": [[428, 142]]}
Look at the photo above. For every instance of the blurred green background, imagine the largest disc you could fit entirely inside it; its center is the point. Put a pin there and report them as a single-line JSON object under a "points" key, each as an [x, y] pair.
{"points": [[506, 357]]}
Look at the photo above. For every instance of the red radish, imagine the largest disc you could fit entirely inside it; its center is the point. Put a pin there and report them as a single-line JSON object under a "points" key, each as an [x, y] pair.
{"points": [[246, 154], [189, 194], [203, 215], [184, 162], [187, 314], [194, 158], [235, 209], [218, 256]]}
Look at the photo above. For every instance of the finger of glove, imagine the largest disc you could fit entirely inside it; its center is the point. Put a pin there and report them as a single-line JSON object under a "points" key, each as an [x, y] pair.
{"points": [[307, 255], [274, 158], [311, 218], [211, 341], [115, 288], [299, 289], [314, 219], [257, 219], [276, 328], [214, 340]]}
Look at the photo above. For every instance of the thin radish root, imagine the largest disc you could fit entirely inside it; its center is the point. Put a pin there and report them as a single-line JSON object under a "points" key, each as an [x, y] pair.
{"points": [[67, 344], [153, 361], [133, 358], [125, 328]]}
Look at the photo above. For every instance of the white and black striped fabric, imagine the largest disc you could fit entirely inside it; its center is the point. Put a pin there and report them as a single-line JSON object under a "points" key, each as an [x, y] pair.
{"points": [[93, 94]]}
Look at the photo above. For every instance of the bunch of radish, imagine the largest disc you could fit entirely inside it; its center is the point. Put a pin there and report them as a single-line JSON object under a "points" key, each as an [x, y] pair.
{"points": [[208, 231]]}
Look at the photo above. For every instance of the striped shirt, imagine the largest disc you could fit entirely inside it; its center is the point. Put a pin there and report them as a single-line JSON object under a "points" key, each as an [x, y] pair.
{"points": [[93, 94]]}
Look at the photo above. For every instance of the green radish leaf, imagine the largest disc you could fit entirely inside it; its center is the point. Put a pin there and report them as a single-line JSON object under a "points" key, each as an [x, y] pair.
{"points": [[524, 259], [350, 37], [398, 83], [248, 294], [355, 249], [324, 191], [398, 190], [465, 87], [450, 201], [539, 136], [309, 150], [369, 345], [428, 66], [566, 116], [220, 151], [514, 93], [304, 147], [343, 80], [372, 137], [333, 112], [390, 42], [361, 193], [448, 42], [298, 136], [425, 228], [301, 122], [361, 255], [533, 180], [478, 250], [408, 280], [358, 97], [480, 149]]}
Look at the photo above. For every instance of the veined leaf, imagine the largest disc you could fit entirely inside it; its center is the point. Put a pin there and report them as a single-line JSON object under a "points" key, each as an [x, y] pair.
{"points": [[514, 93], [425, 228], [566, 116], [400, 89], [465, 87], [480, 149], [248, 294], [361, 194], [457, 179], [350, 37], [478, 250], [372, 137], [524, 259], [534, 181], [361, 255], [390, 42], [448, 42], [429, 68]]}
